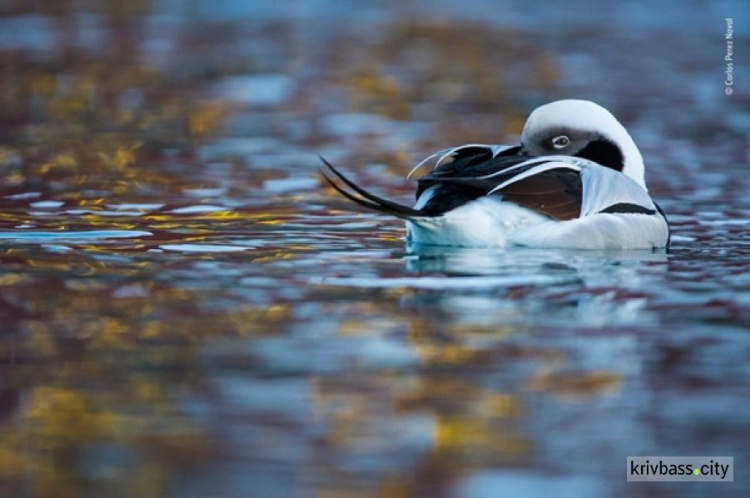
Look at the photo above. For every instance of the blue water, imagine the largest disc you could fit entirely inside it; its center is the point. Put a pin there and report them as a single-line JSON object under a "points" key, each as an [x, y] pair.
{"points": [[189, 311]]}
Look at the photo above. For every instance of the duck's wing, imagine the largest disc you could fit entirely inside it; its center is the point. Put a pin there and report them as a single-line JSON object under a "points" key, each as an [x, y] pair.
{"points": [[466, 161], [561, 187], [472, 161], [448, 161]]}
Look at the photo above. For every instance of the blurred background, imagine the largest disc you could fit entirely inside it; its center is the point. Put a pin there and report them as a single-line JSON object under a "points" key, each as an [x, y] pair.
{"points": [[187, 310]]}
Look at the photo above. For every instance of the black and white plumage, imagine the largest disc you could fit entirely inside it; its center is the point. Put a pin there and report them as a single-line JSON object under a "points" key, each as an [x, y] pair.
{"points": [[576, 181]]}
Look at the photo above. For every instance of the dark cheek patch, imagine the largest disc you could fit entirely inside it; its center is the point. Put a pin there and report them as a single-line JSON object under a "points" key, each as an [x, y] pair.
{"points": [[603, 152]]}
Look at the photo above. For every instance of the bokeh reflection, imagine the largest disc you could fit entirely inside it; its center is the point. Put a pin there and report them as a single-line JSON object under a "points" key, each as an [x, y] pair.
{"points": [[187, 311]]}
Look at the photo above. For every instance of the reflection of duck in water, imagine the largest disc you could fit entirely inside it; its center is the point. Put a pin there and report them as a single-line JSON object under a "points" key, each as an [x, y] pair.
{"points": [[576, 181], [561, 286], [597, 267]]}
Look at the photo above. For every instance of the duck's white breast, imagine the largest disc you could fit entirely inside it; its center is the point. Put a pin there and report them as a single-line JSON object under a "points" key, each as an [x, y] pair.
{"points": [[485, 222]]}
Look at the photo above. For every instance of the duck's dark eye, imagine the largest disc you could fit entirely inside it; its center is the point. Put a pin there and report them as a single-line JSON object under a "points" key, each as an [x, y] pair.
{"points": [[560, 142]]}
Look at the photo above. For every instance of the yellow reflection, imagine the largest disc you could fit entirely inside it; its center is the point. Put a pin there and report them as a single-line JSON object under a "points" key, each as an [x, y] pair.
{"points": [[121, 157], [58, 417], [62, 161], [394, 488], [450, 353], [468, 434], [40, 339], [11, 279], [575, 384], [206, 117], [14, 463]]}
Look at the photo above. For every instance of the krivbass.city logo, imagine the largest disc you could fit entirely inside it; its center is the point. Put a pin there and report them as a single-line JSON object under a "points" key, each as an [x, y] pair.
{"points": [[683, 468]]}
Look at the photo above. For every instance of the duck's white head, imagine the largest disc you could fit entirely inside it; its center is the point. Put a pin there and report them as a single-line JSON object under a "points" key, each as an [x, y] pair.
{"points": [[583, 129]]}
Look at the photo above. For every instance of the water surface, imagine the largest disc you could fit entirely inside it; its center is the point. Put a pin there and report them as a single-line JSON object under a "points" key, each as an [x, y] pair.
{"points": [[188, 311]]}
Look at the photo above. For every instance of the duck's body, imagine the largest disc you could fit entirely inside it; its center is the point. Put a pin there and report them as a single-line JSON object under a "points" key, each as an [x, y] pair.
{"points": [[531, 195]]}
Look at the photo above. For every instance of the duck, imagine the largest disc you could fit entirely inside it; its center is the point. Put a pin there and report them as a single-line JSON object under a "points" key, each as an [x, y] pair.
{"points": [[576, 181]]}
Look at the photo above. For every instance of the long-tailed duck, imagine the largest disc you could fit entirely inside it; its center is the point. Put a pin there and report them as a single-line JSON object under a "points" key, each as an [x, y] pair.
{"points": [[575, 181]]}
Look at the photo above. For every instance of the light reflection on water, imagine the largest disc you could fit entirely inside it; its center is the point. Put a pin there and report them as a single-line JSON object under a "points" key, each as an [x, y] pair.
{"points": [[187, 311]]}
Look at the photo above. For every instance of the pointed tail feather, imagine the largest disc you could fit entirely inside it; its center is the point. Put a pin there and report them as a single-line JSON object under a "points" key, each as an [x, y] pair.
{"points": [[365, 198]]}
